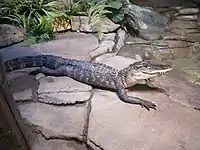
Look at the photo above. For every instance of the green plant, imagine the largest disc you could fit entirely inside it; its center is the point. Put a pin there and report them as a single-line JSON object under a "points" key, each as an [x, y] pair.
{"points": [[30, 15], [97, 15], [41, 32]]}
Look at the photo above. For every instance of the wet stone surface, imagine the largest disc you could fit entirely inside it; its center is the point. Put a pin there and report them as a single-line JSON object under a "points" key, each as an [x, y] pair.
{"points": [[61, 122]]}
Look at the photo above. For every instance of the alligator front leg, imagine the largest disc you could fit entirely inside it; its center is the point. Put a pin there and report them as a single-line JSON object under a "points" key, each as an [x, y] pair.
{"points": [[121, 92], [49, 72]]}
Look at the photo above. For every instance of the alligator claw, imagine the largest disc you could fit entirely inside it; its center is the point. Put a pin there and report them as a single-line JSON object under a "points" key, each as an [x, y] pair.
{"points": [[147, 105]]}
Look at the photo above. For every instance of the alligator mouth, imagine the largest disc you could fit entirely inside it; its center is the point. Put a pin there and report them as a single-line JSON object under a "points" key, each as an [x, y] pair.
{"points": [[158, 71]]}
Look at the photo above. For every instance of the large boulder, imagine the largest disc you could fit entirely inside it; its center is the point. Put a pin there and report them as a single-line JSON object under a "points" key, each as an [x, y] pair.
{"points": [[9, 35]]}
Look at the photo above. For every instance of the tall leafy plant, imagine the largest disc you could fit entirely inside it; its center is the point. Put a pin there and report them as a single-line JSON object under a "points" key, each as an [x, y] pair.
{"points": [[30, 15], [97, 15]]}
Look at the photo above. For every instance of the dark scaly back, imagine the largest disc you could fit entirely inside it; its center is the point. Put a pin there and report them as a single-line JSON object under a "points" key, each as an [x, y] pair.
{"points": [[54, 62], [31, 61]]}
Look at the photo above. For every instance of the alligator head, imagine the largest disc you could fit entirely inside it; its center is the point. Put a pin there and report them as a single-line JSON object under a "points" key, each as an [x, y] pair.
{"points": [[143, 70]]}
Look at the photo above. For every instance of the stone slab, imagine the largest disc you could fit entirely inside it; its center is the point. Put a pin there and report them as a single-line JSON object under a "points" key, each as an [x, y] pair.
{"points": [[64, 98], [183, 24], [119, 126], [73, 45], [118, 62], [23, 95], [24, 87], [56, 121], [60, 85], [179, 89], [56, 144]]}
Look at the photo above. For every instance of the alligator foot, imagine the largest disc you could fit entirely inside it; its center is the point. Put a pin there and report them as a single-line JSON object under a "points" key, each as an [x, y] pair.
{"points": [[143, 103]]}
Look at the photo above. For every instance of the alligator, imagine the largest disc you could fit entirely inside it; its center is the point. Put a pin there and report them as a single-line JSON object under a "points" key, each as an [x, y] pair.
{"points": [[95, 74]]}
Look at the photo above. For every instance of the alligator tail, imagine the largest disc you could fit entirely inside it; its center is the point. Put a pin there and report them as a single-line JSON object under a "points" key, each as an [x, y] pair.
{"points": [[48, 61]]}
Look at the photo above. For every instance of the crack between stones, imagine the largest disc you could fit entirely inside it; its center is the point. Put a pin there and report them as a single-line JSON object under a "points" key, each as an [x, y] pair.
{"points": [[64, 104], [59, 137], [171, 54], [86, 126], [101, 148], [182, 104], [72, 91], [166, 47]]}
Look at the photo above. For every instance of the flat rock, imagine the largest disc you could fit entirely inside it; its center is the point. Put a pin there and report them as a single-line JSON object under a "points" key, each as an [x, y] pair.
{"points": [[136, 40], [179, 89], [181, 52], [56, 144], [194, 37], [10, 35], [120, 38], [109, 36], [188, 17], [183, 24], [171, 43], [81, 23], [118, 62], [72, 45], [104, 56], [133, 49], [60, 85], [116, 125], [150, 36], [23, 95], [188, 11], [162, 54], [64, 98], [24, 87], [55, 121]]}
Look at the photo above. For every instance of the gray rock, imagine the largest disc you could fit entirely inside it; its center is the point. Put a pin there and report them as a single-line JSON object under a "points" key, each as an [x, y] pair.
{"points": [[188, 11], [56, 144], [172, 36], [104, 56], [147, 16], [60, 85], [136, 40], [118, 62], [181, 52], [55, 121], [183, 24], [120, 38], [162, 129], [105, 46], [23, 95], [108, 43], [188, 17], [99, 51], [171, 43], [73, 45], [193, 37], [23, 87], [140, 49], [162, 54], [109, 36], [64, 98], [10, 35], [150, 35], [179, 89], [81, 23]]}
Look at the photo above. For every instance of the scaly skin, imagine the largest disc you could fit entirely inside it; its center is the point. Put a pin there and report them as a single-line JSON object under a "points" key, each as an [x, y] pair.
{"points": [[96, 74]]}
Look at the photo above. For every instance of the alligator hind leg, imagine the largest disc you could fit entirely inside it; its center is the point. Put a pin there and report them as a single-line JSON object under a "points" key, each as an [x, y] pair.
{"points": [[121, 92], [49, 72]]}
